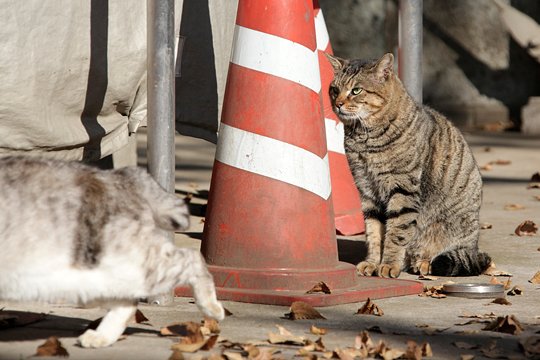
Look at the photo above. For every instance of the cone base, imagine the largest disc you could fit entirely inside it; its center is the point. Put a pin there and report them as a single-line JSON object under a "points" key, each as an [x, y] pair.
{"points": [[268, 286]]}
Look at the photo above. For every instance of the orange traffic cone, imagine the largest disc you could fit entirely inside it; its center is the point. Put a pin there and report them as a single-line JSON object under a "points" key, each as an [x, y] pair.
{"points": [[269, 233], [347, 206]]}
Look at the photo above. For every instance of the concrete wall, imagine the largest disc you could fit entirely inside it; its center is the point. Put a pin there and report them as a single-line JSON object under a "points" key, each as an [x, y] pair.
{"points": [[473, 71]]}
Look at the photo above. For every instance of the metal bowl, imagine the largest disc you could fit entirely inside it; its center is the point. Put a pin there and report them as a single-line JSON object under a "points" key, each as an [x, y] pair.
{"points": [[474, 291]]}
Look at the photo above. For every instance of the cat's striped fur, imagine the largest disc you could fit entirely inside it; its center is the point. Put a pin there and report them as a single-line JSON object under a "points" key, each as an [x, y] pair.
{"points": [[420, 185]]}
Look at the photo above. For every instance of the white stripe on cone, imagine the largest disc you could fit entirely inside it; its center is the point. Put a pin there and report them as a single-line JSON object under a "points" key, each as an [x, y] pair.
{"points": [[274, 159], [276, 56], [335, 135], [321, 32]]}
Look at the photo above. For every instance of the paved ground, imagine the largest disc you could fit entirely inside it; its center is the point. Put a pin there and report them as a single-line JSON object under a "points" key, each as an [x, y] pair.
{"points": [[422, 319]]}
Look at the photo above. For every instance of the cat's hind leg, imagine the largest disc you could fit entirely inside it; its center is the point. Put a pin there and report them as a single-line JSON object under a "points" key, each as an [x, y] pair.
{"points": [[111, 327], [197, 276]]}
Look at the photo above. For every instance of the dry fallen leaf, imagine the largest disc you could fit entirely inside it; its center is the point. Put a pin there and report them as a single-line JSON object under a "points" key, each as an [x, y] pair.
{"points": [[139, 317], [320, 287], [300, 310], [285, 337], [317, 331], [485, 226], [492, 271], [211, 326], [537, 197], [526, 228], [516, 290], [466, 357], [176, 355], [535, 279], [186, 345], [535, 177], [51, 347], [513, 207], [535, 185], [501, 301], [433, 291], [507, 324], [370, 308], [189, 330], [495, 281]]}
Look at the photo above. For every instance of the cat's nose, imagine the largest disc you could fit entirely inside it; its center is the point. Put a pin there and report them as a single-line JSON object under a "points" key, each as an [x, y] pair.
{"points": [[339, 104]]}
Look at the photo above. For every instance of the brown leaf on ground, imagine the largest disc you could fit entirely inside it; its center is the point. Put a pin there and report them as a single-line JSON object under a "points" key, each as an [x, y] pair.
{"points": [[537, 197], [363, 340], [495, 281], [507, 324], [535, 279], [526, 228], [51, 347], [176, 355], [370, 308], [416, 352], [535, 177], [490, 315], [516, 290], [230, 355], [285, 337], [314, 346], [300, 311], [191, 345], [485, 226], [317, 331], [535, 185], [531, 347], [189, 331], [501, 301], [139, 317], [513, 207], [433, 291], [466, 357], [227, 312], [210, 326], [493, 271], [320, 287]]}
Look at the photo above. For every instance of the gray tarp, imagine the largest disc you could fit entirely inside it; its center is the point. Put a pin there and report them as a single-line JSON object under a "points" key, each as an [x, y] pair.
{"points": [[73, 73]]}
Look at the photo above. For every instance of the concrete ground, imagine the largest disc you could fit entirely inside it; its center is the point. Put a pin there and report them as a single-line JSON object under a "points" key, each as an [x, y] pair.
{"points": [[421, 319]]}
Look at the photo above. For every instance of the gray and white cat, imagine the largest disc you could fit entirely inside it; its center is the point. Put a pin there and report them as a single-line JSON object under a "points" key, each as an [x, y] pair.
{"points": [[74, 233], [420, 185]]}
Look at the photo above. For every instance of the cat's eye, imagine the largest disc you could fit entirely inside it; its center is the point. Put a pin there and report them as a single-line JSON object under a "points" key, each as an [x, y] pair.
{"points": [[356, 91]]}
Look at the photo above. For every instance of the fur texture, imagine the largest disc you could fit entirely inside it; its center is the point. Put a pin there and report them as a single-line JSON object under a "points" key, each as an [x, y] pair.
{"points": [[420, 185], [74, 233]]}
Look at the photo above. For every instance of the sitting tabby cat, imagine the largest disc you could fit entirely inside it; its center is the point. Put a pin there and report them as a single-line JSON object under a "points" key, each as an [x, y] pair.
{"points": [[420, 185], [74, 233]]}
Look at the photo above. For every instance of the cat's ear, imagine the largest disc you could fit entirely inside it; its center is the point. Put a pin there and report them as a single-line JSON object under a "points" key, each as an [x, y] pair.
{"points": [[336, 62], [385, 67]]}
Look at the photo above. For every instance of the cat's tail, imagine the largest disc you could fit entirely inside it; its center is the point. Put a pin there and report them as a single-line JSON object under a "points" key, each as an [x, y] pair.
{"points": [[460, 261]]}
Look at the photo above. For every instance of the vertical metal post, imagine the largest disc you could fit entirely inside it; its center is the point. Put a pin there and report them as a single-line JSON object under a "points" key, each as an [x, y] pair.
{"points": [[410, 47], [160, 113]]}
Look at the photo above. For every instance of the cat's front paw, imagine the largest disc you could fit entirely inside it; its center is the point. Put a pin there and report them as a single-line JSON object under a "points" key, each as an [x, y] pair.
{"points": [[389, 270], [214, 309], [93, 339], [366, 268]]}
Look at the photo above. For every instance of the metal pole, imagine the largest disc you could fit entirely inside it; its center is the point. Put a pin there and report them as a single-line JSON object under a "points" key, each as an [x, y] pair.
{"points": [[160, 102], [410, 46], [160, 113]]}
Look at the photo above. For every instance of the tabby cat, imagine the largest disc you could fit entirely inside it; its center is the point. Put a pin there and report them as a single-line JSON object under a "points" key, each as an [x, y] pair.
{"points": [[77, 234], [421, 188]]}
